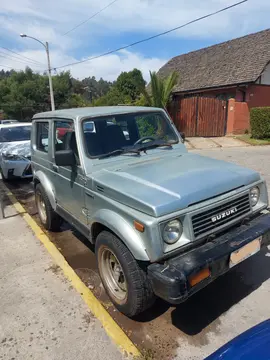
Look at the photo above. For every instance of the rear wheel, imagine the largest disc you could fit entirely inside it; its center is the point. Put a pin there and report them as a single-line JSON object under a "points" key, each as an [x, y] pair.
{"points": [[125, 281], [48, 217]]}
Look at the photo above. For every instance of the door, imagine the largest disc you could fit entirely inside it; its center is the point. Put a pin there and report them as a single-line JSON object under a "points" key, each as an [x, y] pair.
{"points": [[201, 116], [69, 181]]}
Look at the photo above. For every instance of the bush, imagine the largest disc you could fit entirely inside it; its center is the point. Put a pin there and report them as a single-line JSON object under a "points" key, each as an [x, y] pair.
{"points": [[260, 122]]}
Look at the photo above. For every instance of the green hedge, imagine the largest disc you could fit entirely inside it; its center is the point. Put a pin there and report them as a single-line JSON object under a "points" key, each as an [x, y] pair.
{"points": [[260, 122]]}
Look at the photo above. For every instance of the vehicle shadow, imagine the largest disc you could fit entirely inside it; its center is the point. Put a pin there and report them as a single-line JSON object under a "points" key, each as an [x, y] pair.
{"points": [[206, 306], [210, 303], [190, 317]]}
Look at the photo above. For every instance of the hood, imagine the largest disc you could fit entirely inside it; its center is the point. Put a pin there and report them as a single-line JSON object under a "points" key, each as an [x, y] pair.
{"points": [[159, 186], [21, 148]]}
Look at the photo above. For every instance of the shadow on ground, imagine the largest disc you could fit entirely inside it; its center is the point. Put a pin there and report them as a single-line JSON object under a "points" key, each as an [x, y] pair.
{"points": [[206, 306], [190, 317]]}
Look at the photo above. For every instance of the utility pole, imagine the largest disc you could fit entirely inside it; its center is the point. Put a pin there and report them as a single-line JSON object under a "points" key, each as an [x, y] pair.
{"points": [[46, 46], [50, 75]]}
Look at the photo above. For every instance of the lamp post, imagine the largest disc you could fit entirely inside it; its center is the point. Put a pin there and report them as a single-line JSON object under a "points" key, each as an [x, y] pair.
{"points": [[46, 46]]}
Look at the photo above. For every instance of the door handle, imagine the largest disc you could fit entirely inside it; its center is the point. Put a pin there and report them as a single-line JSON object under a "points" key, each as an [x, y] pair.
{"points": [[55, 168]]}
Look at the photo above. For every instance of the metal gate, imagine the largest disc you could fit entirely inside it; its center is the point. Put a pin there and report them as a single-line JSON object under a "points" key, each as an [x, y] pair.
{"points": [[200, 116]]}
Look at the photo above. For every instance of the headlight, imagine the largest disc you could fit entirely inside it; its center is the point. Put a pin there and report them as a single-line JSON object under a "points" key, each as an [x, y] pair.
{"points": [[13, 157], [254, 196], [172, 231]]}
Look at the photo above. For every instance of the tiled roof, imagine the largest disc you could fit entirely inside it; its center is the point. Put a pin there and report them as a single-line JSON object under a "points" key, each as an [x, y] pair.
{"points": [[241, 60]]}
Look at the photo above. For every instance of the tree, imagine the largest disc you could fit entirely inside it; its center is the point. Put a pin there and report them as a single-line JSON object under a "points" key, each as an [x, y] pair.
{"points": [[160, 90], [130, 84], [125, 90]]}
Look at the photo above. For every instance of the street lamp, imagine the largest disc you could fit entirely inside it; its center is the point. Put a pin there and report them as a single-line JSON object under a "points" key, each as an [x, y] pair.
{"points": [[46, 45]]}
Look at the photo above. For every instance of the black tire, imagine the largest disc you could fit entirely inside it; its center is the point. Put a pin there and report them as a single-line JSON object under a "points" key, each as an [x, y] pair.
{"points": [[52, 221], [139, 294]]}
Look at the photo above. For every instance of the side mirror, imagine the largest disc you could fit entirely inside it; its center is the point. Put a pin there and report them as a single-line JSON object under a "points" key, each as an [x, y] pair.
{"points": [[65, 158], [183, 136]]}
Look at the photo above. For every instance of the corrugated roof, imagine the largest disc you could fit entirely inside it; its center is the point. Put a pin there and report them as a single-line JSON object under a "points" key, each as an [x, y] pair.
{"points": [[241, 60]]}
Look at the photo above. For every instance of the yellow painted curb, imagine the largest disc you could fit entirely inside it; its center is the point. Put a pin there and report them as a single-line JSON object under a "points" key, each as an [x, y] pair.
{"points": [[110, 326]]}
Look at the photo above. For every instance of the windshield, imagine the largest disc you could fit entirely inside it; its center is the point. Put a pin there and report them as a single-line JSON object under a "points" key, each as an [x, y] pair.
{"points": [[15, 133], [106, 134]]}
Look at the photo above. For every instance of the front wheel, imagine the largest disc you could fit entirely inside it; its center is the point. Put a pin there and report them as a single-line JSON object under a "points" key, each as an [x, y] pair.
{"points": [[122, 277], [48, 217]]}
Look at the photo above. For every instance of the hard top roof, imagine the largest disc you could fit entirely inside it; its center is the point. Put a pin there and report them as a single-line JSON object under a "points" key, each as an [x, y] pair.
{"points": [[4, 126], [78, 113]]}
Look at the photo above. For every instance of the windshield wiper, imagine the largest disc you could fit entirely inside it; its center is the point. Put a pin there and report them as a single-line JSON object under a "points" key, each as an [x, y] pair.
{"points": [[154, 144], [120, 152]]}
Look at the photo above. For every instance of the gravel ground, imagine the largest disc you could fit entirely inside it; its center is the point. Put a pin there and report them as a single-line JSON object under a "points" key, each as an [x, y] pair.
{"points": [[257, 158]]}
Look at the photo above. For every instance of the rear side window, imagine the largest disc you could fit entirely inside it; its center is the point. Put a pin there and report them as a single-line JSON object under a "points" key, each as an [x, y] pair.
{"points": [[42, 131], [65, 138]]}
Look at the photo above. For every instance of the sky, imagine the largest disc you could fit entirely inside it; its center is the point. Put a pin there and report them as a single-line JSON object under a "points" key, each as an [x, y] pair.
{"points": [[122, 23]]}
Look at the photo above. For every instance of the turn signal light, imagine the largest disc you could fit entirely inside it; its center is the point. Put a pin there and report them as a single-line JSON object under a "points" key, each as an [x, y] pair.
{"points": [[199, 276], [138, 226]]}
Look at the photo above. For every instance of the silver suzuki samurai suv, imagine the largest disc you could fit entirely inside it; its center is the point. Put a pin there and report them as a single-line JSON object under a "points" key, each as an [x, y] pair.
{"points": [[164, 222]]}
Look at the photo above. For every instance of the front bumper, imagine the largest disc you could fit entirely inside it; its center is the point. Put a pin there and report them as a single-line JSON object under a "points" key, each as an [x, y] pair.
{"points": [[170, 280], [16, 169]]}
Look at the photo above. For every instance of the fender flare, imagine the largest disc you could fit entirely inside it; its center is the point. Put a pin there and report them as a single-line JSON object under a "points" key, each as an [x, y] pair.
{"points": [[48, 187], [120, 227]]}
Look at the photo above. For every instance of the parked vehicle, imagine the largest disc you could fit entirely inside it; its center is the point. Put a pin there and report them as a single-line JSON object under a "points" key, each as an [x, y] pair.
{"points": [[5, 122], [252, 344], [164, 222], [15, 153]]}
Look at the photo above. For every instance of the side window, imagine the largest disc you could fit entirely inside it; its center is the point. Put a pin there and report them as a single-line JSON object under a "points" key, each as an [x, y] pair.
{"points": [[65, 138], [42, 136]]}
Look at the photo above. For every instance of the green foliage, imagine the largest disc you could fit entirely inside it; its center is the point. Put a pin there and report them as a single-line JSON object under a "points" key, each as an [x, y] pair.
{"points": [[25, 93], [145, 127], [113, 97], [125, 90], [130, 84], [161, 90], [260, 122]]}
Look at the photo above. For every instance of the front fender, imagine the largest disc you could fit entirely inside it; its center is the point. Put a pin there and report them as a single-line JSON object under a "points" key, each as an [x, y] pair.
{"points": [[123, 230], [48, 187]]}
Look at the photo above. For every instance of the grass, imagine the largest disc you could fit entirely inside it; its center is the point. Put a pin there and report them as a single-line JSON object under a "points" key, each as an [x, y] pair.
{"points": [[249, 140]]}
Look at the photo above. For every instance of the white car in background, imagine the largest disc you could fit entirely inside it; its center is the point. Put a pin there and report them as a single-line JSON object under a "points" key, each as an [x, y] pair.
{"points": [[15, 153], [4, 122]]}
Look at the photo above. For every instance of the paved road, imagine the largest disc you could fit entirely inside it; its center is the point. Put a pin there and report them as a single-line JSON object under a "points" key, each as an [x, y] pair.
{"points": [[254, 157], [190, 331]]}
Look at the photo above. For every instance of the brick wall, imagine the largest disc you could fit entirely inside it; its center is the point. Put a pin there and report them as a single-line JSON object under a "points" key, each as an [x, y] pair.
{"points": [[238, 120], [258, 96]]}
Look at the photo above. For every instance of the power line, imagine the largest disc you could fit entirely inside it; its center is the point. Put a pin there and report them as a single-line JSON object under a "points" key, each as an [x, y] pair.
{"points": [[91, 17], [14, 52], [154, 36], [15, 58], [10, 67]]}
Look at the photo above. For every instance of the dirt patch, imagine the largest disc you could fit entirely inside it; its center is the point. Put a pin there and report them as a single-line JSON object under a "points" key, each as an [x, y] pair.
{"points": [[54, 268], [88, 319]]}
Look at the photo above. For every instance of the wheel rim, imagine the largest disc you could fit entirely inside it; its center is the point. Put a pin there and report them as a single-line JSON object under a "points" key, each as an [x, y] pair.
{"points": [[113, 275], [41, 208]]}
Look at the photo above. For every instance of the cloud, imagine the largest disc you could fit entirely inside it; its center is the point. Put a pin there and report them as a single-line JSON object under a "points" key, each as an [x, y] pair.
{"points": [[125, 19], [140, 16], [108, 67]]}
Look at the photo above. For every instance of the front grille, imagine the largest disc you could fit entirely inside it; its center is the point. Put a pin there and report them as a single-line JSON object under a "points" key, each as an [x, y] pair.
{"points": [[203, 222]]}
